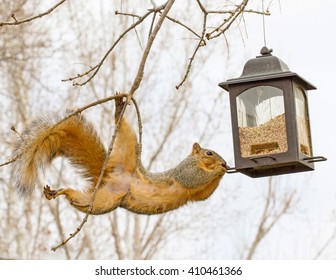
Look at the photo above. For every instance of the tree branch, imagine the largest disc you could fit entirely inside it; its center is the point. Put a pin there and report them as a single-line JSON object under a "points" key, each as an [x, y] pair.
{"points": [[184, 26], [9, 161], [327, 243], [228, 21], [148, 47], [116, 235], [233, 14], [200, 44], [117, 13], [94, 70], [17, 22]]}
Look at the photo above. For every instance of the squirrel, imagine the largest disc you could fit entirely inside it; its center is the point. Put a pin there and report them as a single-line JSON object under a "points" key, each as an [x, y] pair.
{"points": [[125, 183]]}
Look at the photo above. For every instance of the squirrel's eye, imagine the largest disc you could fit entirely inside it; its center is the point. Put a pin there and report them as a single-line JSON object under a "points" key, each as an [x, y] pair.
{"points": [[209, 153]]}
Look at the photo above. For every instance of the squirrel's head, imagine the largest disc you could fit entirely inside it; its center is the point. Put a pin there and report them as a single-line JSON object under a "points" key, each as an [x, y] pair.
{"points": [[209, 159]]}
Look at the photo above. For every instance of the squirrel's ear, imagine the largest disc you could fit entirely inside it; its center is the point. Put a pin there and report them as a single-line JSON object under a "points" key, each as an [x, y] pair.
{"points": [[196, 148]]}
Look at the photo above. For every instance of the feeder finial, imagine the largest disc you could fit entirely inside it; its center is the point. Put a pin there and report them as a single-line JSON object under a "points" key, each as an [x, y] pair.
{"points": [[266, 51]]}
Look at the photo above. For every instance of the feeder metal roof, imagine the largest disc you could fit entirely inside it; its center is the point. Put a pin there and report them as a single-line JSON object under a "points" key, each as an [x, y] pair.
{"points": [[264, 67]]}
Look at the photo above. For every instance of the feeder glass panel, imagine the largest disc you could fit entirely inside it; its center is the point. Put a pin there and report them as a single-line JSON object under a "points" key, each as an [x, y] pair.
{"points": [[261, 121], [302, 122]]}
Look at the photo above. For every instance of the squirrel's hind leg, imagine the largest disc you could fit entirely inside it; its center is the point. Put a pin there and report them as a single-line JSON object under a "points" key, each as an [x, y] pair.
{"points": [[76, 199], [105, 201]]}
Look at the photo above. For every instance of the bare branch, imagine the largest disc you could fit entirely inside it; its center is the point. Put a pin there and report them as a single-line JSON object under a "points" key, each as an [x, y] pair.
{"points": [[327, 243], [233, 14], [251, 11], [127, 14], [17, 22], [185, 26], [173, 120], [116, 235], [200, 44], [152, 25], [150, 41], [56, 213], [153, 233], [9, 161], [94, 70], [81, 75], [201, 6], [227, 22]]}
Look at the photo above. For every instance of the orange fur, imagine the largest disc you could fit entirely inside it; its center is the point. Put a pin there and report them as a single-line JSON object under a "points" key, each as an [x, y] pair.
{"points": [[125, 184]]}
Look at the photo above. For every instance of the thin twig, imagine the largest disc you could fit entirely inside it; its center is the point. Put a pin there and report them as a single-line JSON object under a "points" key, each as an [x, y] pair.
{"points": [[116, 235], [117, 13], [10, 161], [94, 70], [152, 25], [325, 245], [174, 119], [233, 14], [153, 232], [201, 7], [80, 75], [55, 210], [199, 45], [97, 67], [17, 22], [266, 13], [185, 26], [136, 106], [228, 21], [100, 101], [14, 129]]}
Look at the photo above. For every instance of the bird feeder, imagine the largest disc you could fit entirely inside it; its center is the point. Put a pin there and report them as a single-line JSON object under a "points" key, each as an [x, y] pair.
{"points": [[270, 119]]}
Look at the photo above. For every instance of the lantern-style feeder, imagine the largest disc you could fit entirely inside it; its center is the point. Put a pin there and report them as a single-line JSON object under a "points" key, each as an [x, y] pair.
{"points": [[270, 119]]}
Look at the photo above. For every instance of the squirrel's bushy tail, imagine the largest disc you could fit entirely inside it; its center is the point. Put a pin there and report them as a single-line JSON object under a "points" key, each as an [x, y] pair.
{"points": [[46, 138]]}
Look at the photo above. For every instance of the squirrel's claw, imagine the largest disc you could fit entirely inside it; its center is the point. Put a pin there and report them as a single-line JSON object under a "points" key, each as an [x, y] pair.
{"points": [[119, 104], [49, 193]]}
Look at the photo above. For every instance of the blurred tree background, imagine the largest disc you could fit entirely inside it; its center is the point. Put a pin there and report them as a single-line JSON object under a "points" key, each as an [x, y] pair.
{"points": [[47, 64]]}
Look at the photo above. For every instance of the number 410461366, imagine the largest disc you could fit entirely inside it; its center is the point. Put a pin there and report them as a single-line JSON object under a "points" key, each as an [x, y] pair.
{"points": [[215, 271]]}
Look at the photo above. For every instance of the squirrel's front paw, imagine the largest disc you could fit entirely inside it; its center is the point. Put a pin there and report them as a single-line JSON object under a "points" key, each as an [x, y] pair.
{"points": [[49, 193]]}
